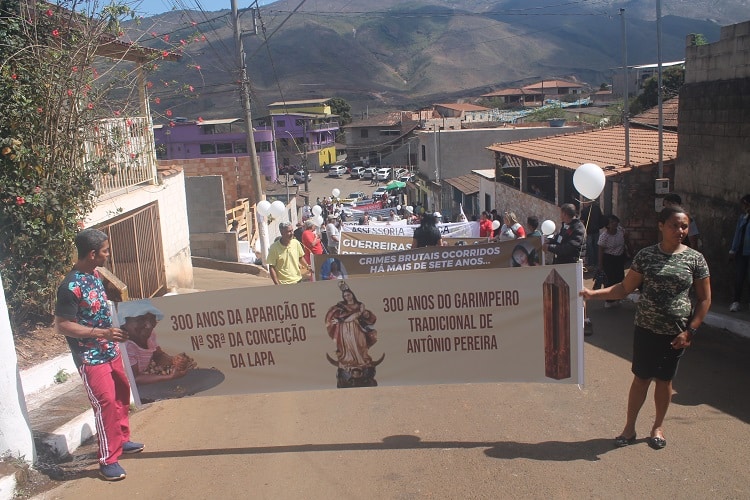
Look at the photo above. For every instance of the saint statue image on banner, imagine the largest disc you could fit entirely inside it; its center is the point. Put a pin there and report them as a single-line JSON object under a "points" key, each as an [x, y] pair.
{"points": [[351, 326]]}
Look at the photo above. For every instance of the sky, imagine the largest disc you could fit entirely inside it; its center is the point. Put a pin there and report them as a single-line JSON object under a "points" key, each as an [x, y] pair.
{"points": [[151, 7]]}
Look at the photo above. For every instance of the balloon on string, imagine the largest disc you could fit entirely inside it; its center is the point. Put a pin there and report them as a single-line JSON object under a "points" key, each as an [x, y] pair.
{"points": [[318, 220], [548, 227], [336, 192], [495, 225], [589, 180], [278, 208], [317, 210], [263, 207]]}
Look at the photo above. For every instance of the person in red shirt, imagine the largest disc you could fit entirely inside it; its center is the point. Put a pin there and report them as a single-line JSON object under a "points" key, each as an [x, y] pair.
{"points": [[485, 225], [310, 241]]}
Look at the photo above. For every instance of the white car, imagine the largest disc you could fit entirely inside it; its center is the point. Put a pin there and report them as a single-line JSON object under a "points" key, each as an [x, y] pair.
{"points": [[378, 193], [407, 178], [336, 171], [383, 174], [368, 173], [356, 172], [299, 176], [399, 172]]}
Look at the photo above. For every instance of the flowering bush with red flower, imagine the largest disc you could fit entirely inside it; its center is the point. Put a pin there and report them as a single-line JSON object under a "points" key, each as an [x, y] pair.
{"points": [[53, 87]]}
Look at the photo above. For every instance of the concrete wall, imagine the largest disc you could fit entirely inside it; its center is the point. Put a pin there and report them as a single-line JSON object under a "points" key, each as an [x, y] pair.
{"points": [[461, 151], [235, 171], [208, 220], [713, 165], [170, 195]]}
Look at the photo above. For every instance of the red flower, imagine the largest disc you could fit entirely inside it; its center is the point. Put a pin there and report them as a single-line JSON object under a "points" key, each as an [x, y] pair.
{"points": [[200, 119], [196, 38], [182, 42], [39, 110], [70, 92], [157, 100], [191, 88], [55, 32], [117, 112], [197, 67], [14, 76], [171, 124], [193, 23], [74, 69], [166, 38], [149, 84], [153, 34], [165, 53], [49, 12], [132, 156], [20, 200], [128, 122], [169, 112], [90, 105]]}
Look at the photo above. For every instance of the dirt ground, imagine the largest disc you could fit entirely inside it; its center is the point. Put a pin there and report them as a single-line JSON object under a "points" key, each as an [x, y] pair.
{"points": [[37, 344]]}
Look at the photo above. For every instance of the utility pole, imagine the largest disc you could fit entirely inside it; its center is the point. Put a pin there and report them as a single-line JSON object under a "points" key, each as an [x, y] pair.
{"points": [[245, 92], [659, 89], [626, 92]]}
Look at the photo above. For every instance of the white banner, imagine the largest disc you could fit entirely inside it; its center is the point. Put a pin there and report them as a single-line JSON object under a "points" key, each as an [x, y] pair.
{"points": [[491, 325], [450, 229]]}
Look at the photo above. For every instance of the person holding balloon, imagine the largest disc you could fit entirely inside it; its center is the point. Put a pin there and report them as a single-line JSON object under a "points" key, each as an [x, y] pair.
{"points": [[566, 245]]}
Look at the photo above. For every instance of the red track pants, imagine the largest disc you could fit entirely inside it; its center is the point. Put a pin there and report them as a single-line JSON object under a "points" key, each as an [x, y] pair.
{"points": [[109, 393]]}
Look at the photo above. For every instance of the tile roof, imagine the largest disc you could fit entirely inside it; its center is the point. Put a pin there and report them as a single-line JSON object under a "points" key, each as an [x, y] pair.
{"points": [[510, 92], [650, 117], [605, 147], [550, 84], [463, 107], [386, 119], [467, 184]]}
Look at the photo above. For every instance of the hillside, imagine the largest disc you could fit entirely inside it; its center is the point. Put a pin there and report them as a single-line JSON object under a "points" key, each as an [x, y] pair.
{"points": [[404, 54]]}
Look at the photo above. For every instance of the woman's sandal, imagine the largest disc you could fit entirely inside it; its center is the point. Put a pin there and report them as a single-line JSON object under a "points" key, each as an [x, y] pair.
{"points": [[657, 443], [622, 441]]}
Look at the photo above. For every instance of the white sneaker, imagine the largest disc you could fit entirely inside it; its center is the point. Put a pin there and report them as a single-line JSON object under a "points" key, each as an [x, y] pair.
{"points": [[735, 307]]}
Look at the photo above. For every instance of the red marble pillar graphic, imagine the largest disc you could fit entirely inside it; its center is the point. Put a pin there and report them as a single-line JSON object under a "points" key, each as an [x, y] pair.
{"points": [[556, 305]]}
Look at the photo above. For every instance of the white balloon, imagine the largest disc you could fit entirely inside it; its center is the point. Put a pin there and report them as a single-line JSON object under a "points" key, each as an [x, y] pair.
{"points": [[317, 210], [278, 208], [495, 225], [548, 227], [336, 192], [318, 220], [589, 180], [398, 207], [263, 207]]}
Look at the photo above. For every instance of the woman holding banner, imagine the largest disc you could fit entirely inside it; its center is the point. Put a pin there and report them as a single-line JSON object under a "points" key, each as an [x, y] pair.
{"points": [[665, 322]]}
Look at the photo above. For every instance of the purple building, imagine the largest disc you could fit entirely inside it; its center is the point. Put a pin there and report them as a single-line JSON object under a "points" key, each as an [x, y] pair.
{"points": [[185, 139]]}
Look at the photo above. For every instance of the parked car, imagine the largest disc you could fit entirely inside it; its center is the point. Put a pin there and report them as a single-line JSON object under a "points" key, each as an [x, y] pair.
{"points": [[407, 178], [399, 172], [383, 174], [356, 196], [336, 171], [368, 173], [299, 176], [356, 172], [378, 193]]}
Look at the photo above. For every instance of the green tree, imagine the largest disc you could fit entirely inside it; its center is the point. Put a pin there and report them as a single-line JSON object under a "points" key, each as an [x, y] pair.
{"points": [[55, 90], [342, 108], [672, 79]]}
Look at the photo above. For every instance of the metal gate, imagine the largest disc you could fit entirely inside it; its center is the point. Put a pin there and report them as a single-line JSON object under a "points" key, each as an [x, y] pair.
{"points": [[136, 255]]}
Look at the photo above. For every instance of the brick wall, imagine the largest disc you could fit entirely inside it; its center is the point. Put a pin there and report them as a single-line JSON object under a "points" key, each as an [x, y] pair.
{"points": [[713, 166], [236, 172]]}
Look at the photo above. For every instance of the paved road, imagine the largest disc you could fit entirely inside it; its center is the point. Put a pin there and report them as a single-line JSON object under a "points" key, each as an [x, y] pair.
{"points": [[453, 441]]}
